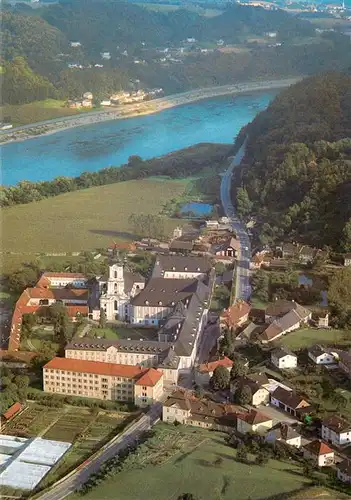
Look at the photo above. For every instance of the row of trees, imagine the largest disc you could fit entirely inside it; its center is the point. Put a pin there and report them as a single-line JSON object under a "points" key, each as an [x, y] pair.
{"points": [[183, 163], [14, 388]]}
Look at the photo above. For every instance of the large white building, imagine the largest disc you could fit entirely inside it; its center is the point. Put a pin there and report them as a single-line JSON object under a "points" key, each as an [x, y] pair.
{"points": [[117, 290]]}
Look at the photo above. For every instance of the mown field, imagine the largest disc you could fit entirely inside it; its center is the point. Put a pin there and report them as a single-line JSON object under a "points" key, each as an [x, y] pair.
{"points": [[85, 219], [191, 464], [306, 337]]}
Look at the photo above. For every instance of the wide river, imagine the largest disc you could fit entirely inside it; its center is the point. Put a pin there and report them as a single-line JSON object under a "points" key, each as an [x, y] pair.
{"points": [[92, 147]]}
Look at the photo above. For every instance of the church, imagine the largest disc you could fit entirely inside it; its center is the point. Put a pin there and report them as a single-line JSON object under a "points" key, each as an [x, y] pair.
{"points": [[117, 289]]}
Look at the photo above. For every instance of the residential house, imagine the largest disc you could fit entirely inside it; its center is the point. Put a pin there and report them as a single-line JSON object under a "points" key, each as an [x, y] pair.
{"points": [[284, 433], [343, 470], [204, 372], [255, 382], [75, 44], [347, 259], [284, 316], [110, 381], [283, 358], [289, 402], [88, 95], [345, 362], [229, 249], [321, 355], [336, 430], [235, 315], [319, 453], [105, 102], [184, 407], [87, 103], [253, 421], [321, 319]]}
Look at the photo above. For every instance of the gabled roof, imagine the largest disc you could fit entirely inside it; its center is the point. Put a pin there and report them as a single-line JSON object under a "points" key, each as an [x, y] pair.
{"points": [[15, 408], [235, 313], [318, 448], [178, 263], [317, 350], [289, 398], [150, 378], [254, 417], [165, 292], [210, 367], [337, 424], [97, 367], [284, 432], [281, 352]]}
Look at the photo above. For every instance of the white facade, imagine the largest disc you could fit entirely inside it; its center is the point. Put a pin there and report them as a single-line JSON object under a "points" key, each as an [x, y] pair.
{"points": [[336, 438], [115, 301], [324, 460], [62, 281], [325, 358], [285, 362], [184, 274]]}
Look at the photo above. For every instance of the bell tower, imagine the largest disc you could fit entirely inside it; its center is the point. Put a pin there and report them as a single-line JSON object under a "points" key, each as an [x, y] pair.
{"points": [[115, 284]]}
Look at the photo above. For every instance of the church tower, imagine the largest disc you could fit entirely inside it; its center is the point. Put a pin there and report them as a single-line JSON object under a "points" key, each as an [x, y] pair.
{"points": [[115, 283]]}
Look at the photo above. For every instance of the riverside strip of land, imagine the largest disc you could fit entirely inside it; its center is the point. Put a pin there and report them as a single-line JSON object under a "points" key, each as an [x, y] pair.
{"points": [[138, 109]]}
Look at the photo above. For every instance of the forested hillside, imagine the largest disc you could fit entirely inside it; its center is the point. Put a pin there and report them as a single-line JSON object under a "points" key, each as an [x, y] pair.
{"points": [[298, 173], [131, 32]]}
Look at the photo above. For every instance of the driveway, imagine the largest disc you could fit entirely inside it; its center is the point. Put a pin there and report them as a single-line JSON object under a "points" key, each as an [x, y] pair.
{"points": [[277, 415]]}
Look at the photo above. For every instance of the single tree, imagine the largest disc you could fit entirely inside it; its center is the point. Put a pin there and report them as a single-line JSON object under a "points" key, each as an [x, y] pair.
{"points": [[243, 395], [102, 319], [241, 454], [220, 378], [238, 369], [261, 458]]}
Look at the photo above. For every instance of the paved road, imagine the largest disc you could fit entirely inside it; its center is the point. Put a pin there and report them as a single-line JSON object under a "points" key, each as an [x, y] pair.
{"points": [[243, 289], [209, 338], [129, 437]]}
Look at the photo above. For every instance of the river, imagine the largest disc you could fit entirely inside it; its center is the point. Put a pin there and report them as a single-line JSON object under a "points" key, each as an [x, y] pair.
{"points": [[92, 147]]}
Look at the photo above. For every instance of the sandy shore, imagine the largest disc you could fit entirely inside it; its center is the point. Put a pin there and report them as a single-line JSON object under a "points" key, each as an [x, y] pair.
{"points": [[139, 109]]}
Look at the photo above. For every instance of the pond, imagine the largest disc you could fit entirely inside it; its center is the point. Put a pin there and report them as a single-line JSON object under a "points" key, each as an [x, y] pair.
{"points": [[305, 280], [199, 209]]}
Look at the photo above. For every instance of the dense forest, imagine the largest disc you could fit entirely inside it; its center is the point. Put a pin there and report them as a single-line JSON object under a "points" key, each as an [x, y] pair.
{"points": [[205, 158], [297, 179], [42, 36]]}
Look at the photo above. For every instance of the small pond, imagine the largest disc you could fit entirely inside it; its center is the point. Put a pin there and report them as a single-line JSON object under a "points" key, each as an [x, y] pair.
{"points": [[308, 281], [197, 208]]}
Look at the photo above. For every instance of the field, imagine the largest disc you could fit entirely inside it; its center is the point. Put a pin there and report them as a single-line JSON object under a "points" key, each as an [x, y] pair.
{"points": [[24, 114], [306, 337], [202, 465], [87, 430], [85, 219]]}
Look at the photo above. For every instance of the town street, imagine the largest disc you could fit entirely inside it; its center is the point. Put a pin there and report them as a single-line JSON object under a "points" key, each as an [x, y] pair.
{"points": [[67, 486], [242, 288]]}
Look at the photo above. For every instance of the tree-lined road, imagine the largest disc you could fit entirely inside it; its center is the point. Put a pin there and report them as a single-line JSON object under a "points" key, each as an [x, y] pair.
{"points": [[242, 288]]}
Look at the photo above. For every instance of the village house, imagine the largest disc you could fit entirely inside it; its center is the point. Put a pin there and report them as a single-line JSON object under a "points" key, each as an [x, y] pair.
{"points": [[88, 95], [290, 402], [321, 319], [284, 433], [319, 453], [236, 315], [87, 103], [110, 381], [347, 259], [290, 250], [256, 383], [229, 249], [204, 372], [284, 316], [182, 406], [181, 246], [75, 44], [343, 470], [253, 422], [105, 102], [336, 430], [283, 358], [321, 355]]}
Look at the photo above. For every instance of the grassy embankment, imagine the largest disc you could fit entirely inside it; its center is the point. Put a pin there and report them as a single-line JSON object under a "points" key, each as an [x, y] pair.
{"points": [[37, 111], [182, 456], [82, 220]]}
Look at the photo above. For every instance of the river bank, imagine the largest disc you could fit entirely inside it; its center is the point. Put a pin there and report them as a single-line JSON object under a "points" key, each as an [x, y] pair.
{"points": [[139, 109]]}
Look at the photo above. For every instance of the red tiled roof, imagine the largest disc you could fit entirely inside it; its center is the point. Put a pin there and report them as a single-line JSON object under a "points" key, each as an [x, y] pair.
{"points": [[150, 377], [317, 447], [11, 412], [210, 367], [235, 313], [43, 282], [59, 293], [73, 310], [254, 417], [98, 367]]}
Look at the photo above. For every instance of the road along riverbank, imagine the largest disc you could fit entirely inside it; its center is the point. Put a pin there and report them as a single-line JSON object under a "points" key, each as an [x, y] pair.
{"points": [[139, 109]]}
